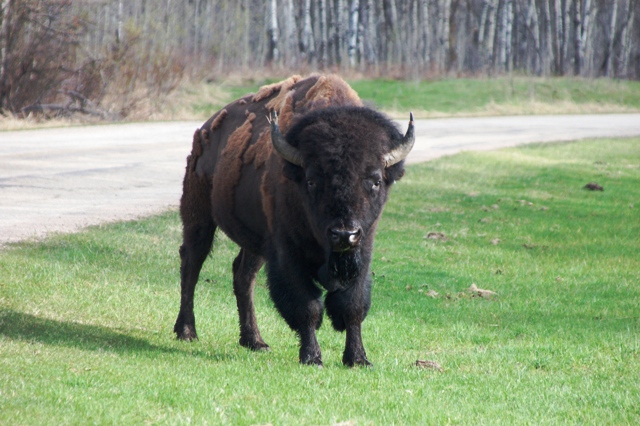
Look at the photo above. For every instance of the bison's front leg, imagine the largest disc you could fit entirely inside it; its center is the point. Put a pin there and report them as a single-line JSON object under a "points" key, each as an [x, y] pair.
{"points": [[354, 353], [299, 302], [347, 309]]}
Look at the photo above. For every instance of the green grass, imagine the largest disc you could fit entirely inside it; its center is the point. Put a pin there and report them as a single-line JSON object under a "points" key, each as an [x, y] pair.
{"points": [[86, 319], [464, 96], [501, 95]]}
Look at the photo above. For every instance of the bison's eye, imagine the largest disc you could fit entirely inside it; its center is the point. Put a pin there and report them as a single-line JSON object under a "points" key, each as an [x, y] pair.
{"points": [[311, 184], [376, 184]]}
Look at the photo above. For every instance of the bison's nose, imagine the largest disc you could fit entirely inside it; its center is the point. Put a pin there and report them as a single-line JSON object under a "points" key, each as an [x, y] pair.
{"points": [[344, 238]]}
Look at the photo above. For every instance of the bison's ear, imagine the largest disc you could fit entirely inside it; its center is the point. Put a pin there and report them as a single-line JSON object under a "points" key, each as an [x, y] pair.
{"points": [[292, 172], [394, 173]]}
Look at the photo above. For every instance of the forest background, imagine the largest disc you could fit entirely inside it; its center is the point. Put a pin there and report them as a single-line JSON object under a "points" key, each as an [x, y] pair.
{"points": [[107, 58]]}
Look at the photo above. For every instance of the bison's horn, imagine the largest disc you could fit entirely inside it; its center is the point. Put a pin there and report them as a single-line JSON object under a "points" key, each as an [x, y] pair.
{"points": [[282, 147], [401, 152]]}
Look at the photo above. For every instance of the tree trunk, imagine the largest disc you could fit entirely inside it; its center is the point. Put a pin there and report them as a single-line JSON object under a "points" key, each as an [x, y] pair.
{"points": [[491, 36], [272, 31], [612, 36], [120, 29], [534, 26], [424, 26], [548, 57], [585, 48], [289, 34], [5, 49], [308, 43], [627, 41], [354, 9], [506, 62], [370, 38], [567, 35], [577, 38], [339, 31], [559, 37], [391, 18], [443, 35]]}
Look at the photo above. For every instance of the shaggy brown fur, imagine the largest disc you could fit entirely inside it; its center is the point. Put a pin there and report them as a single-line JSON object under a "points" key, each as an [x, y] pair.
{"points": [[225, 181], [217, 122], [281, 87], [258, 153]]}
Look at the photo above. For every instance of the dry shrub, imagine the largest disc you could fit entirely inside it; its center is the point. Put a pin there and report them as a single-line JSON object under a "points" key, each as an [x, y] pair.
{"points": [[38, 50], [139, 76], [45, 72]]}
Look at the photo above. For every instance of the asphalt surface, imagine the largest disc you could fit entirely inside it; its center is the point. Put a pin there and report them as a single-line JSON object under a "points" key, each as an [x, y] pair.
{"points": [[64, 179]]}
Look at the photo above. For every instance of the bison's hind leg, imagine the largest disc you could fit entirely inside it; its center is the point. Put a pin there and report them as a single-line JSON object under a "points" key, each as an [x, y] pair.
{"points": [[245, 267], [197, 241]]}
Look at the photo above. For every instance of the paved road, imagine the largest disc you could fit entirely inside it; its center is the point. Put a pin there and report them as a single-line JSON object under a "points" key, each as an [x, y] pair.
{"points": [[61, 180]]}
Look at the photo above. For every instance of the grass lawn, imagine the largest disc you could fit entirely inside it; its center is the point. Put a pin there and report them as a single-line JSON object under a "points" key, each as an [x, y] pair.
{"points": [[503, 95], [454, 97], [86, 319]]}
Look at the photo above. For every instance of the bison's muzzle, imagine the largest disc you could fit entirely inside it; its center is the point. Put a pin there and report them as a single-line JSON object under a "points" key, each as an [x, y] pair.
{"points": [[343, 238]]}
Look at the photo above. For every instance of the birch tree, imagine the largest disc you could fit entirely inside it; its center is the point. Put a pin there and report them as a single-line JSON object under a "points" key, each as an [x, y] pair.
{"points": [[354, 10], [308, 43], [274, 53], [612, 34], [585, 63]]}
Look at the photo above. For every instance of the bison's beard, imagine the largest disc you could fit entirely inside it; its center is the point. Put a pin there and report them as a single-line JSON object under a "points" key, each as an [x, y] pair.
{"points": [[341, 270], [344, 266]]}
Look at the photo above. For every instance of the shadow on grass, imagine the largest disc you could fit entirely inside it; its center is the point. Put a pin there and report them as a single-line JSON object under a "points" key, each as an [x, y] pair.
{"points": [[20, 326]]}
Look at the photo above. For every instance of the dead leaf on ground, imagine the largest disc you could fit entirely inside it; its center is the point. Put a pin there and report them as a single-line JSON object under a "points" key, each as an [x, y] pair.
{"points": [[432, 365], [495, 241], [479, 292], [432, 293], [593, 186]]}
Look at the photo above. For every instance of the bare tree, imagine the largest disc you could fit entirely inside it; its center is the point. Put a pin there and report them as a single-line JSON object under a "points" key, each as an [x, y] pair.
{"points": [[289, 45], [274, 52], [308, 43], [425, 50], [354, 9], [627, 40], [612, 33], [136, 49]]}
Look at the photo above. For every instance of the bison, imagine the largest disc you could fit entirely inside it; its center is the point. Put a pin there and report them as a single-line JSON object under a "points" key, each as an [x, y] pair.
{"points": [[297, 175]]}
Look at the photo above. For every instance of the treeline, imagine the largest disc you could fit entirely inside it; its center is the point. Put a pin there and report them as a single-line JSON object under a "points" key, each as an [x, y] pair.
{"points": [[147, 45]]}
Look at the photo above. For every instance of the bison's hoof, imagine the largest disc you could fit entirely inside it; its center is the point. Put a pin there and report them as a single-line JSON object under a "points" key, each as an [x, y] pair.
{"points": [[361, 361], [254, 345], [311, 359], [186, 333], [317, 362]]}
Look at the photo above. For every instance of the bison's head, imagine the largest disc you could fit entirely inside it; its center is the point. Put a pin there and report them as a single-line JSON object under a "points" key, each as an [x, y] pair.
{"points": [[343, 160]]}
